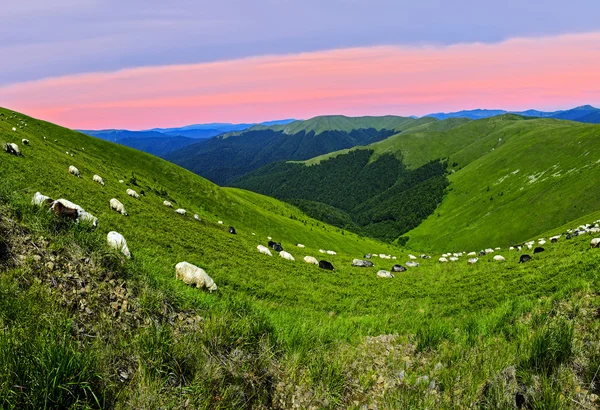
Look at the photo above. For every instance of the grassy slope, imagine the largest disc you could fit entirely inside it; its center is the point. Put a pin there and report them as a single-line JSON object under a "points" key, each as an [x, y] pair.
{"points": [[478, 315], [525, 178]]}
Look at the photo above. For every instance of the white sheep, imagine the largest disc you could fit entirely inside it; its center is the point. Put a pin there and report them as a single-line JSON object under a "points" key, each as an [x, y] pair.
{"points": [[39, 199], [312, 260], [264, 250], [594, 243], [472, 261], [453, 259], [121, 181], [167, 203], [14, 129], [443, 260], [88, 217], [117, 241], [196, 217], [220, 222], [74, 171], [286, 255], [193, 275], [499, 258], [180, 211], [25, 141], [299, 245], [331, 253], [132, 193], [98, 179], [384, 274], [412, 264], [116, 205], [489, 250], [413, 257], [322, 251], [472, 254]]}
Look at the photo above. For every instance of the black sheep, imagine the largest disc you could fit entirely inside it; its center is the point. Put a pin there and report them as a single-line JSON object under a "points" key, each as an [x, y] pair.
{"points": [[232, 230], [326, 265], [524, 258]]}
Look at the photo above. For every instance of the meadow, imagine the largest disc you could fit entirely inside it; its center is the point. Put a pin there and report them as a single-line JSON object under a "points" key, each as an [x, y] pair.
{"points": [[93, 330]]}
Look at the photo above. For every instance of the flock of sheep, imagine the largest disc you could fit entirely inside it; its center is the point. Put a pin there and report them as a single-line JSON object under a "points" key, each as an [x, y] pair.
{"points": [[195, 276]]}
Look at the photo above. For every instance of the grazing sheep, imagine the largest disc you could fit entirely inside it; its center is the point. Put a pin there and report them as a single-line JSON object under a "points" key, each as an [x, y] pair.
{"points": [[12, 148], [74, 171], [423, 256], [472, 254], [132, 193], [385, 256], [299, 245], [472, 261], [443, 260], [286, 255], [25, 141], [538, 250], [116, 205], [117, 241], [14, 129], [512, 248], [98, 179], [88, 217], [393, 257], [453, 259], [180, 211], [542, 242], [384, 274], [368, 256], [322, 251], [595, 242], [39, 200], [193, 275], [413, 257], [275, 246], [264, 250], [121, 181], [196, 217], [220, 222], [269, 238], [398, 268], [231, 230], [524, 258], [311, 260], [499, 258], [489, 250], [482, 253], [326, 265], [362, 263], [331, 253], [167, 203], [412, 264]]}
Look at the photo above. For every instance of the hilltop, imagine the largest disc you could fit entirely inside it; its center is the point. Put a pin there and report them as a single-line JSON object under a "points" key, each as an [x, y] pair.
{"points": [[227, 157], [584, 113], [85, 328]]}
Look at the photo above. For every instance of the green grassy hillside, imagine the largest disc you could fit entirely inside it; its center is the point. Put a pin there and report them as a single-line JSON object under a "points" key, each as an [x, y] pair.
{"points": [[93, 330]]}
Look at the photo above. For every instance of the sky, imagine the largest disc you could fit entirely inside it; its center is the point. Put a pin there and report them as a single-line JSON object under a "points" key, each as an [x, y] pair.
{"points": [[93, 64]]}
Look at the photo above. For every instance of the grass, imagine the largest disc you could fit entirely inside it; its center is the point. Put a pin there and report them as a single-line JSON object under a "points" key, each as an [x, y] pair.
{"points": [[276, 334]]}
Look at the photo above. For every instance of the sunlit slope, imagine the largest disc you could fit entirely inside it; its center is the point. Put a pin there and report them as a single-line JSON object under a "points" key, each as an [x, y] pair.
{"points": [[517, 182]]}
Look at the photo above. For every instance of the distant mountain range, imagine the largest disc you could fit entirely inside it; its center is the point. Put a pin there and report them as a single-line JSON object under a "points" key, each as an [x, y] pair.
{"points": [[160, 141], [585, 113]]}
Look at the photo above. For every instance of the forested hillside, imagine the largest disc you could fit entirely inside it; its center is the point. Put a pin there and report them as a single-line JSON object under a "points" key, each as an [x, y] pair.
{"points": [[225, 158], [379, 198]]}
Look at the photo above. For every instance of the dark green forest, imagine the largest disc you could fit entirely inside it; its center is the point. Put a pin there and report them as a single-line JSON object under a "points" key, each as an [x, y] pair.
{"points": [[226, 158], [381, 198]]}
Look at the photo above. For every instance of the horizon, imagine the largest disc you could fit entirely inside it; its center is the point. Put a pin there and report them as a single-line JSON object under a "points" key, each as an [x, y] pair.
{"points": [[138, 67]]}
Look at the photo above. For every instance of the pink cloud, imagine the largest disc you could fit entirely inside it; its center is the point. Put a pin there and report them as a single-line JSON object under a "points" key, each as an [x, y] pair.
{"points": [[542, 73]]}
